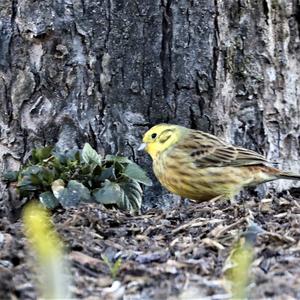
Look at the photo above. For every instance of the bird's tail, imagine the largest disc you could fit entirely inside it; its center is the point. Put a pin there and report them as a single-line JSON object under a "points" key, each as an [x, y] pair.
{"points": [[287, 175]]}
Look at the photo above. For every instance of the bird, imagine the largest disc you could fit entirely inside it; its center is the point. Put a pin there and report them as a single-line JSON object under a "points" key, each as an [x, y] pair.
{"points": [[200, 166]]}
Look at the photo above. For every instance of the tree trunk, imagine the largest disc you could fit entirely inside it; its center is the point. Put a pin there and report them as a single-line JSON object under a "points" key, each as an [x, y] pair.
{"points": [[104, 71]]}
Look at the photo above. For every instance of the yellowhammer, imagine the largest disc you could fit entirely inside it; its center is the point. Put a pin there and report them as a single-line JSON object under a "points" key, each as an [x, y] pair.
{"points": [[200, 166]]}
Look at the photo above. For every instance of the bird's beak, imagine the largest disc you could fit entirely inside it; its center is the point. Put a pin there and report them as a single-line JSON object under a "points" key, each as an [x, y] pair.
{"points": [[142, 147]]}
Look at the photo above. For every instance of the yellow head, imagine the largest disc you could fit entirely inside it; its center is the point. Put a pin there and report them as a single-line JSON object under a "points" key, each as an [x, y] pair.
{"points": [[160, 138]]}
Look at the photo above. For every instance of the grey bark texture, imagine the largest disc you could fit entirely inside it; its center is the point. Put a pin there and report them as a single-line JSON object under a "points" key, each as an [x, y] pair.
{"points": [[73, 71]]}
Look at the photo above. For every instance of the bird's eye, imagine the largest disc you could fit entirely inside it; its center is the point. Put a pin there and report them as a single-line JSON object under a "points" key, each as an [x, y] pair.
{"points": [[153, 135]]}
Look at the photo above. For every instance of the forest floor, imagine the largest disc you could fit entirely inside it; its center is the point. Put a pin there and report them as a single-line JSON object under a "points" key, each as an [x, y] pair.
{"points": [[175, 254]]}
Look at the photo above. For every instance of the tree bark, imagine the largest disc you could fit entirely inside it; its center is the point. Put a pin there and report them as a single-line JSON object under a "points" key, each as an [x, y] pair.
{"points": [[104, 71]]}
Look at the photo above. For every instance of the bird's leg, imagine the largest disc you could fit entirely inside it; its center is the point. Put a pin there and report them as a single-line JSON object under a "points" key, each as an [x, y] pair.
{"points": [[230, 202], [238, 202], [181, 206], [236, 206], [215, 199], [243, 203], [232, 205]]}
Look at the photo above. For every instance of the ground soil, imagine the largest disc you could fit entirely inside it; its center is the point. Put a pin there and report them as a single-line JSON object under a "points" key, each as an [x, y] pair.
{"points": [[176, 254]]}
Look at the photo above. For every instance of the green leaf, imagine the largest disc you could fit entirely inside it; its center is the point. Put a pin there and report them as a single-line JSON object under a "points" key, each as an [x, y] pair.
{"points": [[48, 176], [114, 270], [38, 155], [39, 175], [78, 188], [110, 193], [25, 184], [108, 173], [67, 199], [56, 164], [59, 158], [96, 171], [31, 170], [114, 267], [65, 156], [119, 159], [86, 169], [36, 179], [126, 195], [72, 154], [133, 194], [77, 156], [135, 172], [73, 194], [89, 155], [48, 200], [119, 168], [10, 176], [25, 180], [72, 164]]}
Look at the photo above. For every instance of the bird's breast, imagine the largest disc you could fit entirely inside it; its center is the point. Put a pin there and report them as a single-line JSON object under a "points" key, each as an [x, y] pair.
{"points": [[201, 184], [182, 178]]}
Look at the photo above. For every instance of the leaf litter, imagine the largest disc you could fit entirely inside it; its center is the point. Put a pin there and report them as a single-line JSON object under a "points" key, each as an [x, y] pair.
{"points": [[176, 254]]}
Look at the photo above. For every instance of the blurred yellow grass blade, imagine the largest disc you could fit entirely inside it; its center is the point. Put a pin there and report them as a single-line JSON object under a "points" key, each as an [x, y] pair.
{"points": [[44, 240], [237, 269]]}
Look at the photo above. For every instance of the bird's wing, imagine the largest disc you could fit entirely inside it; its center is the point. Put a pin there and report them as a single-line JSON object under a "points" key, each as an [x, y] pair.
{"points": [[206, 150]]}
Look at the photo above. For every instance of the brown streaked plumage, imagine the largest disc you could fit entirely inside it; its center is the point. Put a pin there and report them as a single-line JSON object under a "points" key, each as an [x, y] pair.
{"points": [[200, 166]]}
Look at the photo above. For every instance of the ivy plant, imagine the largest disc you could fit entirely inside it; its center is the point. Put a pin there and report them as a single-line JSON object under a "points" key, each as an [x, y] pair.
{"points": [[71, 177]]}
